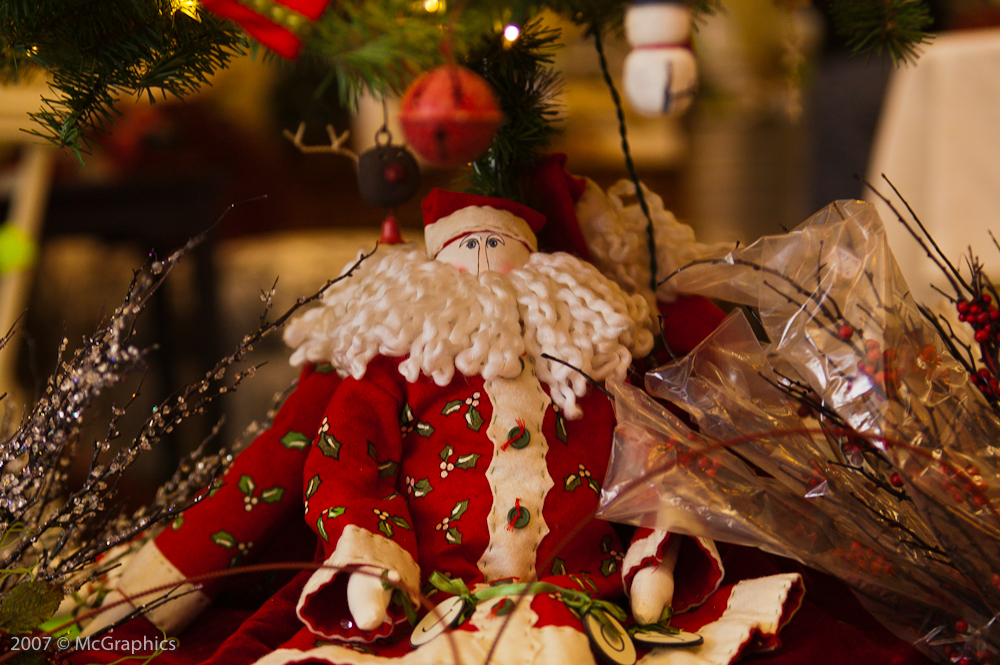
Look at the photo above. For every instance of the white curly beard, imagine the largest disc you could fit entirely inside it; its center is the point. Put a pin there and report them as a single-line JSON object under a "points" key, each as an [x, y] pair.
{"points": [[617, 238], [400, 303]]}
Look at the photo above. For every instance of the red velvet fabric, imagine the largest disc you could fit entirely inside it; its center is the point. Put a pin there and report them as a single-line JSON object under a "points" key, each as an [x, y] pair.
{"points": [[687, 321], [554, 192], [440, 203], [261, 493], [831, 626]]}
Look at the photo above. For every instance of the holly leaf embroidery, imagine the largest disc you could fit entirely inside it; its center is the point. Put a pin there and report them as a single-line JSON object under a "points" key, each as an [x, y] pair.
{"points": [[224, 539], [585, 583], [295, 441], [329, 446], [400, 522], [572, 482], [387, 469], [606, 544], [452, 406], [473, 418], [609, 566], [594, 486], [446, 453], [405, 416], [561, 433], [313, 485], [321, 529], [422, 488], [504, 607], [453, 536], [386, 528], [459, 509], [467, 461], [247, 485], [423, 429], [177, 523], [272, 495], [558, 566], [324, 368], [336, 511]]}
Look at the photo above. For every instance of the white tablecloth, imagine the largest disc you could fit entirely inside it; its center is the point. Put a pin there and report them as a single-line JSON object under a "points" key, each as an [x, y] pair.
{"points": [[939, 143]]}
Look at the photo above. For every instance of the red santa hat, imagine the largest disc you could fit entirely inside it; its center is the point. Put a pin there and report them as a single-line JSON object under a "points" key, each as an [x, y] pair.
{"points": [[451, 215]]}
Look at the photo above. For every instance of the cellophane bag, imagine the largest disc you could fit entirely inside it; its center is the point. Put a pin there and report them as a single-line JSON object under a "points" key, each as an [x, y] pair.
{"points": [[854, 442]]}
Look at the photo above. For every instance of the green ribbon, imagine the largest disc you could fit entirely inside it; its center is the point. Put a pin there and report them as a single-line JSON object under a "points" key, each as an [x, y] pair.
{"points": [[579, 602], [662, 626], [654, 628], [454, 587], [401, 598]]}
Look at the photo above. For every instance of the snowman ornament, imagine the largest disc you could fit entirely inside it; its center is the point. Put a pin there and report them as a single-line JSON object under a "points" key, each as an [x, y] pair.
{"points": [[660, 73]]}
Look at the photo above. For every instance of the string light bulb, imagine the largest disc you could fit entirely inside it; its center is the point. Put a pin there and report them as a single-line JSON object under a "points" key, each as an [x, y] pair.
{"points": [[511, 33], [432, 6], [188, 7]]}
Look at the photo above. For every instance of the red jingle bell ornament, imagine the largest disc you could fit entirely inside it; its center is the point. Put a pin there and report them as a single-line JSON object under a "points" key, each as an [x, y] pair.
{"points": [[450, 115]]}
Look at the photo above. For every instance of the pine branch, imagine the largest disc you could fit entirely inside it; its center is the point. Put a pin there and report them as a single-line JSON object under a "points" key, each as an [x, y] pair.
{"points": [[96, 51], [896, 26], [523, 78], [380, 47]]}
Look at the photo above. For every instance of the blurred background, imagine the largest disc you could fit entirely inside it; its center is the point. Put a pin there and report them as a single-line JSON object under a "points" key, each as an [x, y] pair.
{"points": [[783, 124]]}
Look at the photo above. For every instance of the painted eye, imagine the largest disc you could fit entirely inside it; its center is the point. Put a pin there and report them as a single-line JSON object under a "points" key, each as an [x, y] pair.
{"points": [[493, 243], [471, 243]]}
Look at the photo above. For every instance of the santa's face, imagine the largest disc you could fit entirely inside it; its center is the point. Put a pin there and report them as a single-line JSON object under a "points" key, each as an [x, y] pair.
{"points": [[485, 250]]}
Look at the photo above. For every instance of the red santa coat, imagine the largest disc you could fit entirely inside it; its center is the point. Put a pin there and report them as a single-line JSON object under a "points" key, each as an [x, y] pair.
{"points": [[418, 478], [479, 480]]}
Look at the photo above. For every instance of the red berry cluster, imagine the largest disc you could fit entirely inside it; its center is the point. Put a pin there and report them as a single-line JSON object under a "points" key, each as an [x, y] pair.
{"points": [[816, 477], [698, 461], [929, 357], [986, 382], [866, 559], [853, 447], [982, 316], [959, 657], [690, 459], [879, 366], [966, 655], [964, 487]]}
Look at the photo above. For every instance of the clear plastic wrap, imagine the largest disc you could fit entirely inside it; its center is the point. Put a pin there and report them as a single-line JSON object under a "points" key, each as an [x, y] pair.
{"points": [[853, 443]]}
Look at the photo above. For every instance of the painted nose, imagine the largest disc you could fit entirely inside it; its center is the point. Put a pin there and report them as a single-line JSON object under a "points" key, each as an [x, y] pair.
{"points": [[484, 262]]}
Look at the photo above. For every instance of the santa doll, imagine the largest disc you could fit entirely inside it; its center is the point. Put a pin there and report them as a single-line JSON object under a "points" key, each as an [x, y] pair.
{"points": [[446, 440]]}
